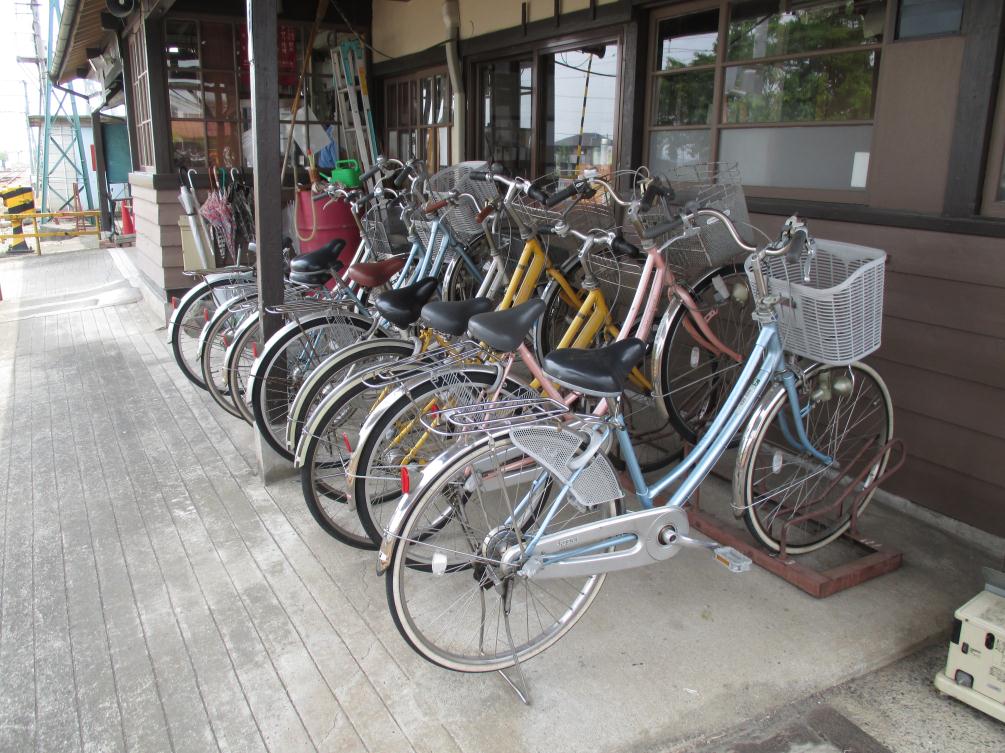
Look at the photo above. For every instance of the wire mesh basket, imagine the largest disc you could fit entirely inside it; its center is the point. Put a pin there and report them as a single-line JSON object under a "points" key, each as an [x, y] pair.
{"points": [[583, 214], [379, 226], [702, 244], [712, 185], [830, 306], [461, 214], [618, 277]]}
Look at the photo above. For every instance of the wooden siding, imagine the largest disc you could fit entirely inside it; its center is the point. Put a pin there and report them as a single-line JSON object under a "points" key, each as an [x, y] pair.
{"points": [[943, 358]]}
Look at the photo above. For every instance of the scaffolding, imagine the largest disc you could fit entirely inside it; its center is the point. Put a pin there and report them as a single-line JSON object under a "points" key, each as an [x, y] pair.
{"points": [[60, 168]]}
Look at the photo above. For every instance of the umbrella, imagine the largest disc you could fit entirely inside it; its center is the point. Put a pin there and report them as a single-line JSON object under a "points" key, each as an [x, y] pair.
{"points": [[191, 206], [216, 211]]}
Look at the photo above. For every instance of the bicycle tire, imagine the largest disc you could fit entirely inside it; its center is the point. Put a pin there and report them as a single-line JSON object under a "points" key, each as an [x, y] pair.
{"points": [[444, 499], [192, 314], [689, 381], [217, 338], [770, 476], [267, 383], [238, 361], [324, 449], [329, 374], [401, 411]]}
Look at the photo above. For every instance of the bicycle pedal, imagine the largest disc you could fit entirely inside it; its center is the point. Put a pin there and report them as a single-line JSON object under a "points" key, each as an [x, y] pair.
{"points": [[727, 556]]}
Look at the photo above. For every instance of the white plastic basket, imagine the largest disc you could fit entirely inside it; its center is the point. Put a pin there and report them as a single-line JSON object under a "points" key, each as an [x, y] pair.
{"points": [[837, 316]]}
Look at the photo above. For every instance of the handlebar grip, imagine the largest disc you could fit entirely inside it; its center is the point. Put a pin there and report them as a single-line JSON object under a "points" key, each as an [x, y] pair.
{"points": [[498, 168], [370, 173], [559, 196], [537, 194], [654, 189], [402, 177], [666, 227], [366, 198], [621, 246], [484, 213], [435, 206], [482, 175]]}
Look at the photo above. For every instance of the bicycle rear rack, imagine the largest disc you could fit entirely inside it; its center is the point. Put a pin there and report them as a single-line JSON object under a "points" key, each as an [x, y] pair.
{"points": [[427, 363]]}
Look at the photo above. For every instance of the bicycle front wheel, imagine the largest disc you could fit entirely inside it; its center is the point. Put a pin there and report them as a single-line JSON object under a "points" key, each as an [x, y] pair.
{"points": [[451, 596], [691, 376], [849, 417]]}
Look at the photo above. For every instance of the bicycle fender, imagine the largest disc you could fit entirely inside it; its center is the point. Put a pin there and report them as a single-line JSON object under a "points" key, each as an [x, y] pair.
{"points": [[323, 373], [439, 464], [400, 392]]}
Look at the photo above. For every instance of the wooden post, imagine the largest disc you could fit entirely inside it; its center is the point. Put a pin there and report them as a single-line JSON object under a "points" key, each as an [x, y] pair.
{"points": [[263, 54]]}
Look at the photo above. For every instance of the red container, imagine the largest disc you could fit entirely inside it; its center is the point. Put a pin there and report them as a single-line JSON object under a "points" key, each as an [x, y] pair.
{"points": [[335, 221]]}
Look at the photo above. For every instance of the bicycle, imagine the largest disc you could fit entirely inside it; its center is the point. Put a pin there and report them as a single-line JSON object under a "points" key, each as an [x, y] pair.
{"points": [[384, 445], [531, 515]]}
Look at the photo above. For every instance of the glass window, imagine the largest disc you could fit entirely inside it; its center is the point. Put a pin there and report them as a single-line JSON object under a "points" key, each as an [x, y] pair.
{"points": [[688, 40], [417, 118], [506, 122], [581, 105], [800, 157], [222, 141], [922, 18], [188, 143], [181, 43], [217, 46], [824, 87], [221, 95], [758, 30], [670, 149], [811, 65], [684, 99]]}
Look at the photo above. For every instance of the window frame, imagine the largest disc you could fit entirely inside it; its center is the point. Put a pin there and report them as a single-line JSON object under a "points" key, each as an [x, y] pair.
{"points": [[536, 51], [994, 173], [718, 123], [429, 131]]}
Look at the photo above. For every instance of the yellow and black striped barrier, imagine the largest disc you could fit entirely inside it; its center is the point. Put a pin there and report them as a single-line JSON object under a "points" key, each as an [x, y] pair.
{"points": [[17, 202], [87, 222]]}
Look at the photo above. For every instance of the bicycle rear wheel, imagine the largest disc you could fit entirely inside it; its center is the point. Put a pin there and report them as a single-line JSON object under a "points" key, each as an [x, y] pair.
{"points": [[240, 357], [287, 358], [451, 597], [396, 437], [219, 335], [848, 408], [192, 314], [330, 434]]}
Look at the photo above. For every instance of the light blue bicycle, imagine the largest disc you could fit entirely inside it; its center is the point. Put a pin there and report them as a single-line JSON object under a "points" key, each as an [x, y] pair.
{"points": [[503, 543]]}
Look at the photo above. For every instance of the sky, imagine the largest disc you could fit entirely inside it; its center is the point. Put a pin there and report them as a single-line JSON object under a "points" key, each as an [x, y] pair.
{"points": [[15, 40]]}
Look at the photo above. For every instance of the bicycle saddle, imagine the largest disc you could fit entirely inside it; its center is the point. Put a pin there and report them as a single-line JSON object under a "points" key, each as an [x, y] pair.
{"points": [[602, 372], [401, 307], [312, 279], [319, 260], [505, 330], [373, 274], [452, 317]]}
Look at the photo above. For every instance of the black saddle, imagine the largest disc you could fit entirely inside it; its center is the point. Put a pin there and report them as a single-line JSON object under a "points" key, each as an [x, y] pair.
{"points": [[452, 317], [402, 307], [312, 279], [598, 371], [323, 259], [505, 330]]}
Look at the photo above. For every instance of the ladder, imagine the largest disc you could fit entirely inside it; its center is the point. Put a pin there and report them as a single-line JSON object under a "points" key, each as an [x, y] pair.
{"points": [[352, 93]]}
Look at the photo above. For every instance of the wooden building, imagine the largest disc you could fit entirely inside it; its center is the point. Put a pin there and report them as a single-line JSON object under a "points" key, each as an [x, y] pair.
{"points": [[880, 121]]}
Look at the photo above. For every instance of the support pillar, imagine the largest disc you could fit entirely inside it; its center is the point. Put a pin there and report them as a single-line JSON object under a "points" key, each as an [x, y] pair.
{"points": [[264, 58]]}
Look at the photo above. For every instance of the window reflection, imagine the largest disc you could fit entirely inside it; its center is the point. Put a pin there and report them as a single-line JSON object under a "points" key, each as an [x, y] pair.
{"points": [[581, 88], [506, 121]]}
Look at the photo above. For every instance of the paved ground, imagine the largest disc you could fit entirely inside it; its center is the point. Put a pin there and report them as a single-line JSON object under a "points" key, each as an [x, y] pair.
{"points": [[154, 596]]}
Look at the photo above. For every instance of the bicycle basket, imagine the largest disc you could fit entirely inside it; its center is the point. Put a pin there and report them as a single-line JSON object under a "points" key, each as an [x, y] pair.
{"points": [[835, 317], [582, 214], [707, 243], [461, 215], [712, 185], [379, 227]]}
